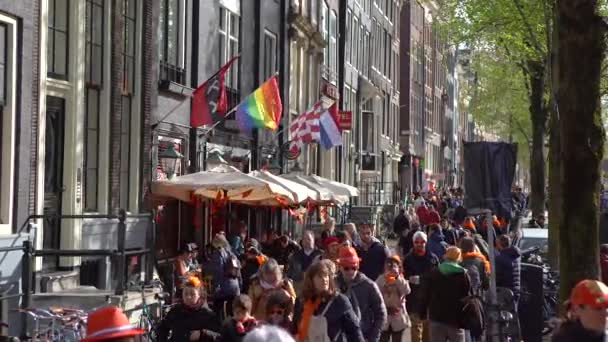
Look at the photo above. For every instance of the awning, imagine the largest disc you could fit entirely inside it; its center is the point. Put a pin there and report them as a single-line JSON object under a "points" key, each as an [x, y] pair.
{"points": [[337, 187], [328, 190], [301, 193], [223, 180], [323, 195]]}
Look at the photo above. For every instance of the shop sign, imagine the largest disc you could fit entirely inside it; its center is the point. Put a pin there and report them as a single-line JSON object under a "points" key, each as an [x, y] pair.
{"points": [[329, 90], [345, 120]]}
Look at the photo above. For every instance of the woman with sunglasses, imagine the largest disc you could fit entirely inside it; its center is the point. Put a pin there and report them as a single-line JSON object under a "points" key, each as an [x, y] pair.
{"points": [[321, 313]]}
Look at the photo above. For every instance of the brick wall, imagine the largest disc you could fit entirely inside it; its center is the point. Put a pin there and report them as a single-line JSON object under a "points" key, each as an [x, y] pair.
{"points": [[149, 90], [115, 102], [35, 106]]}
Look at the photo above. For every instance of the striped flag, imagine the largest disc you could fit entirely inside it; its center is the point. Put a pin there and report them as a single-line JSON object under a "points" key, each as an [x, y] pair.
{"points": [[306, 128], [330, 133]]}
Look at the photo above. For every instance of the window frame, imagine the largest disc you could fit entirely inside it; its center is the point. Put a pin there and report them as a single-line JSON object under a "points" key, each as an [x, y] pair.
{"points": [[92, 87], [175, 72], [348, 38], [7, 126], [227, 37], [273, 66], [52, 33]]}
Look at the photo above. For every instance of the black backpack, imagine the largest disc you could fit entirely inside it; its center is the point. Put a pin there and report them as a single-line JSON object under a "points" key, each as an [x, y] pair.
{"points": [[474, 277], [473, 317]]}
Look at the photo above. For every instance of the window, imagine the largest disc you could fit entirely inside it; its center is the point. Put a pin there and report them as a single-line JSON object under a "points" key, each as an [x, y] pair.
{"points": [[362, 52], [368, 132], [8, 67], [333, 44], [229, 45], [3, 71], [130, 15], [94, 46], [348, 39], [313, 11], [172, 43], [355, 61], [57, 48], [325, 31], [270, 54], [294, 80]]}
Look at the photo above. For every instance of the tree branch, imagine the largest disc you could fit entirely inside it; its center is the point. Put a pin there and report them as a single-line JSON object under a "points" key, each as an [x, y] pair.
{"points": [[533, 39]]}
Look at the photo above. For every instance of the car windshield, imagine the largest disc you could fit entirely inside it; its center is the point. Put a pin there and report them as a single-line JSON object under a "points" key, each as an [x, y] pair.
{"points": [[534, 238]]}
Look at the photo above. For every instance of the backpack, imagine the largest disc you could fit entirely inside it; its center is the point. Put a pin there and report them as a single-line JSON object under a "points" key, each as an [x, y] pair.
{"points": [[317, 331], [473, 317], [474, 277]]}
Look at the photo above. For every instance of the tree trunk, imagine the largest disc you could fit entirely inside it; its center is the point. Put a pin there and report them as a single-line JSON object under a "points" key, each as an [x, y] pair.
{"points": [[555, 165], [538, 114], [555, 191], [581, 51]]}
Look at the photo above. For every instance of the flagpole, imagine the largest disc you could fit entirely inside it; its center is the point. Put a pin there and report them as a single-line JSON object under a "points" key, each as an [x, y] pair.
{"points": [[172, 110], [208, 130], [190, 95]]}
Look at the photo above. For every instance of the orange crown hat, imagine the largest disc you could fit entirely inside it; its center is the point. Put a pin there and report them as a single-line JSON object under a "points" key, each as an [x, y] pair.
{"points": [[468, 224], [348, 256], [109, 323], [590, 293], [495, 221], [193, 281], [394, 258]]}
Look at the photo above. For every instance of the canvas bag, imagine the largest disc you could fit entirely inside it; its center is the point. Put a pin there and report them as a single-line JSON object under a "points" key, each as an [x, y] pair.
{"points": [[317, 330]]}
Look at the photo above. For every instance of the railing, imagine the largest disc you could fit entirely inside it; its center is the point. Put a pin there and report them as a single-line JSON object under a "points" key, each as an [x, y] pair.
{"points": [[169, 72], [379, 193], [30, 253]]}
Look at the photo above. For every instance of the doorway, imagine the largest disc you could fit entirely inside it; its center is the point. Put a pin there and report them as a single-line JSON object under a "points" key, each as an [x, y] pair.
{"points": [[53, 177]]}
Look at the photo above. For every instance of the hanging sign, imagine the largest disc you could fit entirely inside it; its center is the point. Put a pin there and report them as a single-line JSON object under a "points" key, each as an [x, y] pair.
{"points": [[345, 120]]}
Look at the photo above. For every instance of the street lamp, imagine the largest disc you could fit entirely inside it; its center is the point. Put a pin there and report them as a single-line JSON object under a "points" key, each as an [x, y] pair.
{"points": [[296, 169], [215, 158], [168, 160], [274, 166]]}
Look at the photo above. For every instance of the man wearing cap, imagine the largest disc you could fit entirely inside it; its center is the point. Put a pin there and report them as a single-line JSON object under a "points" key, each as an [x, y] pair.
{"points": [[363, 293], [111, 324], [417, 264], [587, 314]]}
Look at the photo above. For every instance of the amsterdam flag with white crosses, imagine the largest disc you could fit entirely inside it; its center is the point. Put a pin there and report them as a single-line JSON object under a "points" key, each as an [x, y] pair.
{"points": [[209, 99]]}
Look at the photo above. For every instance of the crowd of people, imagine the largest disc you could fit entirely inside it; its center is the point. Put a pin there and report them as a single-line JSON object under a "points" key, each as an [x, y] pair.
{"points": [[345, 285]]}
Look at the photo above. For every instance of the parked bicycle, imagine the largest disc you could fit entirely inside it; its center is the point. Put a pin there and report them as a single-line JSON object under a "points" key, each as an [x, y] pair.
{"points": [[148, 321], [56, 324]]}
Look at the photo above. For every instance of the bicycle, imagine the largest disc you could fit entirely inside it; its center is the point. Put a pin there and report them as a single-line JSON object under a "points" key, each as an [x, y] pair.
{"points": [[63, 324], [148, 322]]}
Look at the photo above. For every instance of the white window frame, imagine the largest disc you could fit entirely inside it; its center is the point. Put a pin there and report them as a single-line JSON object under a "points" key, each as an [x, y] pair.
{"points": [[9, 110], [333, 44], [229, 37], [325, 32]]}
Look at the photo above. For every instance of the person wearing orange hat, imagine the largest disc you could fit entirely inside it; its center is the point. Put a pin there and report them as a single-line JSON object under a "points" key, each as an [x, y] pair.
{"points": [[363, 293], [587, 314], [190, 320], [394, 288], [332, 246], [110, 324], [443, 293]]}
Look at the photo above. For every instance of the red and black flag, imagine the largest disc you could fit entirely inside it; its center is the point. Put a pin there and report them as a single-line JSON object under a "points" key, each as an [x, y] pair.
{"points": [[209, 99]]}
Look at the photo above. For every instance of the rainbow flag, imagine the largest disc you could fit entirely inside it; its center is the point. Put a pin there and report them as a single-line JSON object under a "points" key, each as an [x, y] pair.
{"points": [[261, 109]]}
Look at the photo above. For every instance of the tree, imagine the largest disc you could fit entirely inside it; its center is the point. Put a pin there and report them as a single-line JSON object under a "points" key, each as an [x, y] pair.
{"points": [[581, 38], [521, 30]]}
